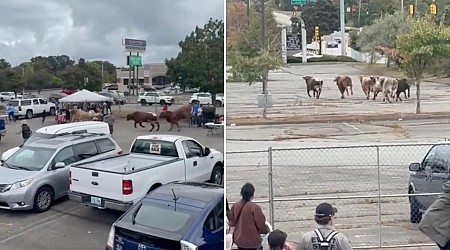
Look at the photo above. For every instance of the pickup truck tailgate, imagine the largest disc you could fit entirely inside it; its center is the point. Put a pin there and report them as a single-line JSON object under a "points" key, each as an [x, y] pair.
{"points": [[96, 183]]}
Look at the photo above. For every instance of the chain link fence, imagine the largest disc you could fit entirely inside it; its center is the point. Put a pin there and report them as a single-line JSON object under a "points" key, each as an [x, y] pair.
{"points": [[369, 185]]}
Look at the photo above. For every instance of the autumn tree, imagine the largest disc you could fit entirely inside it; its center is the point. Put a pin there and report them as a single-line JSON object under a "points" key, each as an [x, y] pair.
{"points": [[236, 20], [247, 59], [422, 44], [201, 60]]}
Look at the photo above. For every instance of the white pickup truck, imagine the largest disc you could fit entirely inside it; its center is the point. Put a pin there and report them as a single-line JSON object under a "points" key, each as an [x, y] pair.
{"points": [[154, 160]]}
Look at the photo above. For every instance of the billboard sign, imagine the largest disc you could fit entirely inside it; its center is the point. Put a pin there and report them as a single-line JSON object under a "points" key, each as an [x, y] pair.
{"points": [[134, 45]]}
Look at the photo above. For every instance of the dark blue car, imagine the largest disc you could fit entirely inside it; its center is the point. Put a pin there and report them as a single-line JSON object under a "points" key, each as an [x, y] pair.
{"points": [[179, 215]]}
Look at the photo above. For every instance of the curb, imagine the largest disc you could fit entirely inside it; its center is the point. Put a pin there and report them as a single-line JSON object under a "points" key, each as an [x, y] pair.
{"points": [[249, 121]]}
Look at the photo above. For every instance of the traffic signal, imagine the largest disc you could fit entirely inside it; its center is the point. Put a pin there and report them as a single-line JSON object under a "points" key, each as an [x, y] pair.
{"points": [[316, 31], [411, 9], [433, 10]]}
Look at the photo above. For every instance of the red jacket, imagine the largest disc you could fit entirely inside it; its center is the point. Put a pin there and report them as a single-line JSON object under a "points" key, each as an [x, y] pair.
{"points": [[249, 223]]}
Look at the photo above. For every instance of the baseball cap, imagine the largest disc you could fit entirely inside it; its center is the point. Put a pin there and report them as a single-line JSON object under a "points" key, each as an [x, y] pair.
{"points": [[276, 238], [325, 210]]}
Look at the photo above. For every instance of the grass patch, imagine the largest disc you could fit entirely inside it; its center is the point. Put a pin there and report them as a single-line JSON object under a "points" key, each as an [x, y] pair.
{"points": [[325, 58]]}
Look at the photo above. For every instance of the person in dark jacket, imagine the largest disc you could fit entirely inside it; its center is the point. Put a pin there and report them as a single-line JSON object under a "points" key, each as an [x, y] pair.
{"points": [[248, 221], [26, 131], [436, 220], [44, 114]]}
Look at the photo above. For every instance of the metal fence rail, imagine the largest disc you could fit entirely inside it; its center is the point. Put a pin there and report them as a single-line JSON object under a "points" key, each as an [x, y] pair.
{"points": [[368, 185]]}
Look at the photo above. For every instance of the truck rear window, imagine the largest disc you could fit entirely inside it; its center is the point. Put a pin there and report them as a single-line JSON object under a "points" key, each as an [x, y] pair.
{"points": [[155, 147]]}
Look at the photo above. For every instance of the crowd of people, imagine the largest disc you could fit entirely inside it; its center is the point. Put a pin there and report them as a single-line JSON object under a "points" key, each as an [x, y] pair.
{"points": [[246, 223]]}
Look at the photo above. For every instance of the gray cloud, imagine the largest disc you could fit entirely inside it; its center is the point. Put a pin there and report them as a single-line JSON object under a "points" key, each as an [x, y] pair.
{"points": [[95, 29]]}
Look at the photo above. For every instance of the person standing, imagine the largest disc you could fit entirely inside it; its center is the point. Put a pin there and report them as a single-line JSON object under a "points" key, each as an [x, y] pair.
{"points": [[229, 233], [109, 119], [248, 221], [324, 237], [277, 240], [194, 113], [26, 131], [44, 114], [165, 107], [436, 220], [10, 110], [105, 109]]}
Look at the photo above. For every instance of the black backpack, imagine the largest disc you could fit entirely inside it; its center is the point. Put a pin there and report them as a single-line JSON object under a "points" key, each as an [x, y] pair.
{"points": [[325, 242]]}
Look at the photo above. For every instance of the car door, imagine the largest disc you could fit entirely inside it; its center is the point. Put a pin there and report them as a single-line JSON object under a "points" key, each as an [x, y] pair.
{"points": [[423, 182], [37, 107], [213, 228], [440, 169], [150, 98], [197, 164], [60, 177], [44, 105]]}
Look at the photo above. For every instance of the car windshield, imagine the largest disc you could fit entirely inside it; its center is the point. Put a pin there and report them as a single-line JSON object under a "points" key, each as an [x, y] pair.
{"points": [[159, 93], [38, 136], [155, 147], [29, 158], [164, 218]]}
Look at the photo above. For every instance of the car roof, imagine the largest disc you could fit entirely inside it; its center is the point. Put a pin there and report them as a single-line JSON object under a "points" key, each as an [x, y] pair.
{"points": [[194, 194], [170, 138], [65, 139], [55, 129]]}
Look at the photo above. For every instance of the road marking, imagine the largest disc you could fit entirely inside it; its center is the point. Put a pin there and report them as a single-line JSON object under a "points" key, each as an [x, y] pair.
{"points": [[353, 127]]}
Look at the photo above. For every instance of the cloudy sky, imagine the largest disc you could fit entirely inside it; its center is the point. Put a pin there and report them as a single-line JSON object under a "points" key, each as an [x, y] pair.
{"points": [[93, 29]]}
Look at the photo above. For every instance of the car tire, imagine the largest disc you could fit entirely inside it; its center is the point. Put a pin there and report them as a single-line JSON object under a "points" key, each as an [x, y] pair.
{"points": [[143, 102], [217, 175], [415, 216], [52, 111], [162, 102], [43, 199], [29, 114], [218, 103], [2, 100]]}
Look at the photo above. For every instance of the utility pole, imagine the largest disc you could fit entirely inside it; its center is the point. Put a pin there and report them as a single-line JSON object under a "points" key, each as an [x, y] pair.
{"points": [[102, 74], [359, 14], [129, 75], [342, 12], [263, 47], [248, 11], [402, 5], [137, 76]]}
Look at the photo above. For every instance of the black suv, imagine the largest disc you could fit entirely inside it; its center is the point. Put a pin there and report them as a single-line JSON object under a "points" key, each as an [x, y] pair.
{"points": [[428, 177]]}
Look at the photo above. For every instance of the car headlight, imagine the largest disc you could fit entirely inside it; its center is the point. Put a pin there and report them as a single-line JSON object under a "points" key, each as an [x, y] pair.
{"points": [[20, 184]]}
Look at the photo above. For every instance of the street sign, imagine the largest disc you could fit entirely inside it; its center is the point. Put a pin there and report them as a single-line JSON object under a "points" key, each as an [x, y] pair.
{"points": [[293, 42], [134, 45], [298, 2], [135, 60]]}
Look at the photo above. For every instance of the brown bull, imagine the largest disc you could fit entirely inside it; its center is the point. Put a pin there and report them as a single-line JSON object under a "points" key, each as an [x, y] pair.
{"points": [[343, 83], [139, 117], [367, 84], [173, 117], [314, 84], [78, 115]]}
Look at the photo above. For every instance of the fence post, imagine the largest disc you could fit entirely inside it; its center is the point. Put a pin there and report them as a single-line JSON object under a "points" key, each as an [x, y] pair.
{"points": [[379, 197], [271, 206]]}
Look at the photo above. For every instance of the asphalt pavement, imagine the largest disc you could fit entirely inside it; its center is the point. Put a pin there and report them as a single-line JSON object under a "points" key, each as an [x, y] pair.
{"points": [[69, 225]]}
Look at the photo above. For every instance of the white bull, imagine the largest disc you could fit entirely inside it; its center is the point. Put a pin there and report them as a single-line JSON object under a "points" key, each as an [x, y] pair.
{"points": [[387, 86]]}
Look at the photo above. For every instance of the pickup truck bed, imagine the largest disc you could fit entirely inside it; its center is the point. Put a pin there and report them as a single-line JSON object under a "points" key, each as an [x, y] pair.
{"points": [[127, 163]]}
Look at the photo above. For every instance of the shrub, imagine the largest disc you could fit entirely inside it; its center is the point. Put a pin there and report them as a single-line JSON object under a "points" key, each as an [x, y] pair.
{"points": [[325, 58]]}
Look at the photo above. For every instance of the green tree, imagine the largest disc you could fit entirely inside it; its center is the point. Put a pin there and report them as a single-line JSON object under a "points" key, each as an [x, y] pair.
{"points": [[4, 64], [247, 59], [74, 76], [422, 44], [324, 13], [40, 80], [200, 62]]}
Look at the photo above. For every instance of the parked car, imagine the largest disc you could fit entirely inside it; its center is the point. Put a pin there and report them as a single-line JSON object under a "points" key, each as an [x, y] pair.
{"points": [[154, 160], [206, 98], [32, 107], [149, 98], [50, 132], [188, 216], [8, 96], [427, 177], [56, 96], [38, 173]]}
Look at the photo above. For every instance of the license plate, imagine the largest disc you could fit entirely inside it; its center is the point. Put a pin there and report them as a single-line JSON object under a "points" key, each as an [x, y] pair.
{"points": [[96, 201]]}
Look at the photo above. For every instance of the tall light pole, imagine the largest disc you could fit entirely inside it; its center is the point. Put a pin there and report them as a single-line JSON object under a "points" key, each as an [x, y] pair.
{"points": [[263, 47], [342, 14]]}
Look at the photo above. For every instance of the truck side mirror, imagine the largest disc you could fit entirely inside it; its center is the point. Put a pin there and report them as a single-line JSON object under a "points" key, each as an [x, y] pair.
{"points": [[207, 151], [414, 167]]}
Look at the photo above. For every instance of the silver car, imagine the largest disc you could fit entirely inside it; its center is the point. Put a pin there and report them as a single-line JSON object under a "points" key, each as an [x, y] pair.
{"points": [[37, 174]]}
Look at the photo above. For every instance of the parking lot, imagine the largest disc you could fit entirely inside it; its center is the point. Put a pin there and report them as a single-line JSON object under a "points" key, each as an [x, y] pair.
{"points": [[69, 225]]}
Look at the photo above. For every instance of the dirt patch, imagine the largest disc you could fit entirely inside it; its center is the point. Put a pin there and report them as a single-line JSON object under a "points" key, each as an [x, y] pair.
{"points": [[360, 118]]}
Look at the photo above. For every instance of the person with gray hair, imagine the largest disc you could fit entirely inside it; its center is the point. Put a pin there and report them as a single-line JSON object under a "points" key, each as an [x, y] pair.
{"points": [[109, 119], [324, 237]]}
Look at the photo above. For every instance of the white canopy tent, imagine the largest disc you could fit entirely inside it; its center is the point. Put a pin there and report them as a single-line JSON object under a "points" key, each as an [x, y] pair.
{"points": [[84, 96]]}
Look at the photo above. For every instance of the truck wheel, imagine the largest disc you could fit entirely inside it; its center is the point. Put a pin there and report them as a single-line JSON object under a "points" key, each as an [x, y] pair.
{"points": [[1, 99], [29, 114], [52, 111], [414, 213], [143, 102], [43, 199], [217, 175], [162, 102]]}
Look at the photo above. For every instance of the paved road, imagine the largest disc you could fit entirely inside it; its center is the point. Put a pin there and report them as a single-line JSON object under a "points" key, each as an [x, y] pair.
{"points": [[69, 225], [335, 172], [290, 98]]}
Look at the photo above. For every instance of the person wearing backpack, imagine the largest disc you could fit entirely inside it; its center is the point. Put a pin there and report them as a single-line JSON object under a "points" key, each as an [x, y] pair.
{"points": [[324, 237], [248, 221]]}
